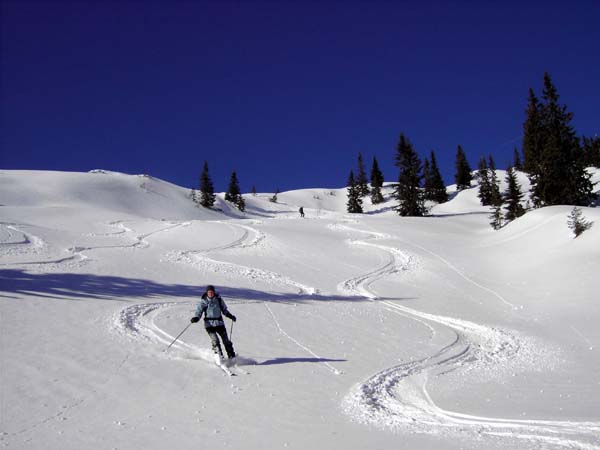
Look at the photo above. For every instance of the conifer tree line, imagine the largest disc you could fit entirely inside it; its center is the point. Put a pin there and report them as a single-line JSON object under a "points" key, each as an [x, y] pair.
{"points": [[555, 159], [417, 182], [358, 186], [205, 195]]}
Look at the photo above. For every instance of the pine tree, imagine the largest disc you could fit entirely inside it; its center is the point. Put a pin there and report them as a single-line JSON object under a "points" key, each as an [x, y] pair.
{"points": [[512, 197], [591, 151], [233, 193], [376, 183], [361, 179], [274, 198], [463, 175], [408, 190], [577, 222], [438, 186], [207, 191], [253, 191], [495, 195], [427, 181], [496, 217], [354, 204], [517, 164], [532, 135], [485, 183], [560, 177]]}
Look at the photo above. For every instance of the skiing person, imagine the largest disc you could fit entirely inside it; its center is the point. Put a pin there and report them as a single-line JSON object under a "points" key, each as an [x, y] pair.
{"points": [[301, 211], [213, 307]]}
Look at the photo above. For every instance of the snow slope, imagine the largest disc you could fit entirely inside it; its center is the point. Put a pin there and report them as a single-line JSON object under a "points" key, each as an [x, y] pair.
{"points": [[355, 331]]}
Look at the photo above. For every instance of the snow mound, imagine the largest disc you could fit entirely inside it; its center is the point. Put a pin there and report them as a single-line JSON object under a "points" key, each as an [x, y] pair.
{"points": [[135, 195]]}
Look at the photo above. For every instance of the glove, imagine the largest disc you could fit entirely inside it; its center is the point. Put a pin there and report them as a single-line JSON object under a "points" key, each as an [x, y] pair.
{"points": [[194, 319], [232, 317]]}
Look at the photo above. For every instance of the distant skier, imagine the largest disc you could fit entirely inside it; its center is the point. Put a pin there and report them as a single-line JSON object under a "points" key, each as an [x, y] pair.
{"points": [[301, 211], [213, 307]]}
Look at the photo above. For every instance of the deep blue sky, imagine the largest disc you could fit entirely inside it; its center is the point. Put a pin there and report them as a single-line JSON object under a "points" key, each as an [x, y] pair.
{"points": [[285, 93]]}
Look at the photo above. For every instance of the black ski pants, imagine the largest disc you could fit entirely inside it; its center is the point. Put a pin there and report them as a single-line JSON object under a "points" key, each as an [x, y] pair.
{"points": [[214, 333]]}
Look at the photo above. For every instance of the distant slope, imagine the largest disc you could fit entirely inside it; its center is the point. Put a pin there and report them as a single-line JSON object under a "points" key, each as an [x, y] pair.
{"points": [[136, 195], [146, 196]]}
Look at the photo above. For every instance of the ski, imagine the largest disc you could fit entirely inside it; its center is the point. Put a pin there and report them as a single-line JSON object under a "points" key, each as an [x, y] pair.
{"points": [[221, 365]]}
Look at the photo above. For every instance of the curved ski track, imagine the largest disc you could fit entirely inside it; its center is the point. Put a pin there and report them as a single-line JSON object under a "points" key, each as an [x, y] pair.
{"points": [[14, 241], [397, 398], [251, 237], [31, 244], [138, 321]]}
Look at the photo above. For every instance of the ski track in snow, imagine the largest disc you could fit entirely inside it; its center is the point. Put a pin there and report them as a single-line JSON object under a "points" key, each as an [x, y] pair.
{"points": [[302, 346], [31, 244], [138, 321], [251, 237], [15, 241], [397, 398]]}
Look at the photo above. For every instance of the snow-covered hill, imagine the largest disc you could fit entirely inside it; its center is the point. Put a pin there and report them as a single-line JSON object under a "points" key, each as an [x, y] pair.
{"points": [[354, 331]]}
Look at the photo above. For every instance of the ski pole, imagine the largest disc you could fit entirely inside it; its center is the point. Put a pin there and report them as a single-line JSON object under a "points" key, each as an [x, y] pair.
{"points": [[231, 330], [177, 337]]}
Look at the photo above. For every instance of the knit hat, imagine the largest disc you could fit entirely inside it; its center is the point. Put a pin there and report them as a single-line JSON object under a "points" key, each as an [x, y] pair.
{"points": [[210, 287]]}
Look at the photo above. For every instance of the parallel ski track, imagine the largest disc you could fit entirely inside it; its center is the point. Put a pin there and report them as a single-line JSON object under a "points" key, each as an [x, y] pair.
{"points": [[15, 241], [35, 245], [250, 237], [398, 398], [138, 321]]}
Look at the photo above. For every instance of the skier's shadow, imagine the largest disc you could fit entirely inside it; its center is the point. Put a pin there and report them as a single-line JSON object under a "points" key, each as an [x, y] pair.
{"points": [[275, 361]]}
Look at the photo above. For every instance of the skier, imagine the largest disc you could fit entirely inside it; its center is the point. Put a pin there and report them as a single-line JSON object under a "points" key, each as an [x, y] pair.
{"points": [[301, 211], [213, 307]]}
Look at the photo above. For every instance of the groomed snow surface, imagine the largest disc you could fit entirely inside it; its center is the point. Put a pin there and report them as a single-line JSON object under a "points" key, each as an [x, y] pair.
{"points": [[354, 331]]}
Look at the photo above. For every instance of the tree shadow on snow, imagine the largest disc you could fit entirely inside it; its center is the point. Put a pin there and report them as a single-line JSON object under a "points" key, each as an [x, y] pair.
{"points": [[299, 297], [76, 286]]}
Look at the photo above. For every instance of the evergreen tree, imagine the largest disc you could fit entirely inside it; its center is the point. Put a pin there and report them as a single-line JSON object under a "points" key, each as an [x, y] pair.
{"points": [[577, 222], [254, 191], [354, 204], [362, 183], [439, 193], [532, 135], [495, 195], [517, 164], [427, 181], [591, 151], [560, 176], [274, 198], [408, 190], [496, 217], [194, 196], [512, 197], [485, 183], [207, 191], [463, 175], [376, 183], [233, 193]]}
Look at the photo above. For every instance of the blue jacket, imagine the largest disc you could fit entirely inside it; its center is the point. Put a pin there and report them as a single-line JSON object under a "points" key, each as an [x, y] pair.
{"points": [[213, 310]]}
